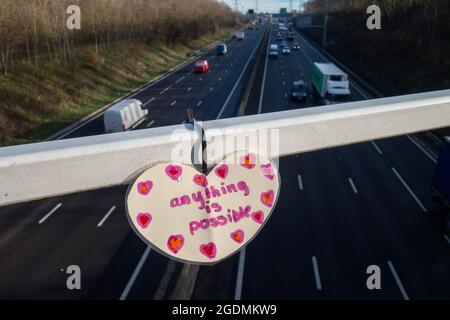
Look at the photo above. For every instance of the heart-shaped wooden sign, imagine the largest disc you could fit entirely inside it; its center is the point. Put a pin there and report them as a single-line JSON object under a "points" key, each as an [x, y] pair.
{"points": [[203, 219]]}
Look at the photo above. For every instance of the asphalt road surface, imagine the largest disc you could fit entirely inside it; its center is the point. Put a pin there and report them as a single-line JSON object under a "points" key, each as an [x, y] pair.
{"points": [[340, 211]]}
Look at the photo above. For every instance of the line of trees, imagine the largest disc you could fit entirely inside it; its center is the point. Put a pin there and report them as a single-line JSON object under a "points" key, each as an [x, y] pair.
{"points": [[36, 29], [410, 53]]}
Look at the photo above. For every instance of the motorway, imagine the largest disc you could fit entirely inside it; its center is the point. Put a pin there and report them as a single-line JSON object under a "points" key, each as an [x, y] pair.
{"points": [[340, 211]]}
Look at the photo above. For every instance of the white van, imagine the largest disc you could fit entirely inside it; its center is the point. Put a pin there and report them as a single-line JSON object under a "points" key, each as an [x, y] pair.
{"points": [[124, 115]]}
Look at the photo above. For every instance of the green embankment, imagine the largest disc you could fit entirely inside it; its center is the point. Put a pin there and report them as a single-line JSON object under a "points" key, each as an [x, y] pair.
{"points": [[36, 103]]}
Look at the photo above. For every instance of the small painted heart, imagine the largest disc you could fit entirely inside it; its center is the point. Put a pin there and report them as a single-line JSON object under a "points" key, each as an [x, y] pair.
{"points": [[144, 219], [201, 180], [237, 236], [222, 171], [267, 198], [174, 172], [248, 161], [145, 187], [258, 217], [175, 243], [267, 171], [209, 249]]}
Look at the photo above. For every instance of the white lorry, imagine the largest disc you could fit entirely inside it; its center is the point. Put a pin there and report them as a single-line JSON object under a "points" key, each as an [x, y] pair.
{"points": [[240, 35], [124, 115], [329, 80]]}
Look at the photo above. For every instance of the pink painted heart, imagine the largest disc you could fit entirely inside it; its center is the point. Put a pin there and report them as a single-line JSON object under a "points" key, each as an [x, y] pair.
{"points": [[248, 161], [209, 250], [200, 180], [174, 172], [175, 243], [222, 171], [258, 216], [267, 171], [203, 218], [145, 187], [237, 236], [144, 219], [267, 198]]}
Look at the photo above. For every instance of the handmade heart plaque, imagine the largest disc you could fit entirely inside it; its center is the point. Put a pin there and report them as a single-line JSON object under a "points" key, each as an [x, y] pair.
{"points": [[203, 219]]}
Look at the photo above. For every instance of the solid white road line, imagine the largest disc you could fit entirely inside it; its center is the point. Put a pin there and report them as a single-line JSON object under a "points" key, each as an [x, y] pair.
{"points": [[173, 103], [166, 89], [263, 85], [50, 213], [352, 184], [240, 272], [376, 147], [316, 273], [238, 80], [150, 123], [397, 279], [135, 274], [422, 148], [409, 190], [300, 182], [106, 216], [447, 238], [240, 275], [199, 103]]}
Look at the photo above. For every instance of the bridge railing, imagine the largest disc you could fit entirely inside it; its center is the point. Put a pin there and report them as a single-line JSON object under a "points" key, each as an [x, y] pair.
{"points": [[47, 169]]}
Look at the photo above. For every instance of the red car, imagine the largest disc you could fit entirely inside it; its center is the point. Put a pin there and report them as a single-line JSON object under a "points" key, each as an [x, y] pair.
{"points": [[201, 66]]}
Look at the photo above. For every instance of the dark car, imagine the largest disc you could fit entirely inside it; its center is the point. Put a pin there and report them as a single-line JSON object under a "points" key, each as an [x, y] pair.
{"points": [[290, 38], [296, 46], [298, 91], [222, 49]]}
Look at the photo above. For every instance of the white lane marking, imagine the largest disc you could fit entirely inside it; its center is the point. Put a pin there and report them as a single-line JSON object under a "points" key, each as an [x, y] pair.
{"points": [[149, 101], [352, 184], [106, 216], [135, 274], [240, 275], [397, 279], [189, 89], [181, 79], [300, 182], [211, 89], [173, 103], [409, 190], [199, 103], [200, 79], [422, 148], [50, 213], [447, 238], [238, 80], [150, 123], [220, 79], [376, 147], [284, 83], [226, 70], [316, 273], [184, 121], [263, 85], [166, 89]]}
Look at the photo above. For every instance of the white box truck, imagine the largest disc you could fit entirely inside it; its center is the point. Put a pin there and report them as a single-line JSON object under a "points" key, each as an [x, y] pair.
{"points": [[240, 35], [124, 115], [329, 80]]}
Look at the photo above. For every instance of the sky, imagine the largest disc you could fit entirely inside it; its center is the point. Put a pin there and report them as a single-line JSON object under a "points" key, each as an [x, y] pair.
{"points": [[272, 6]]}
